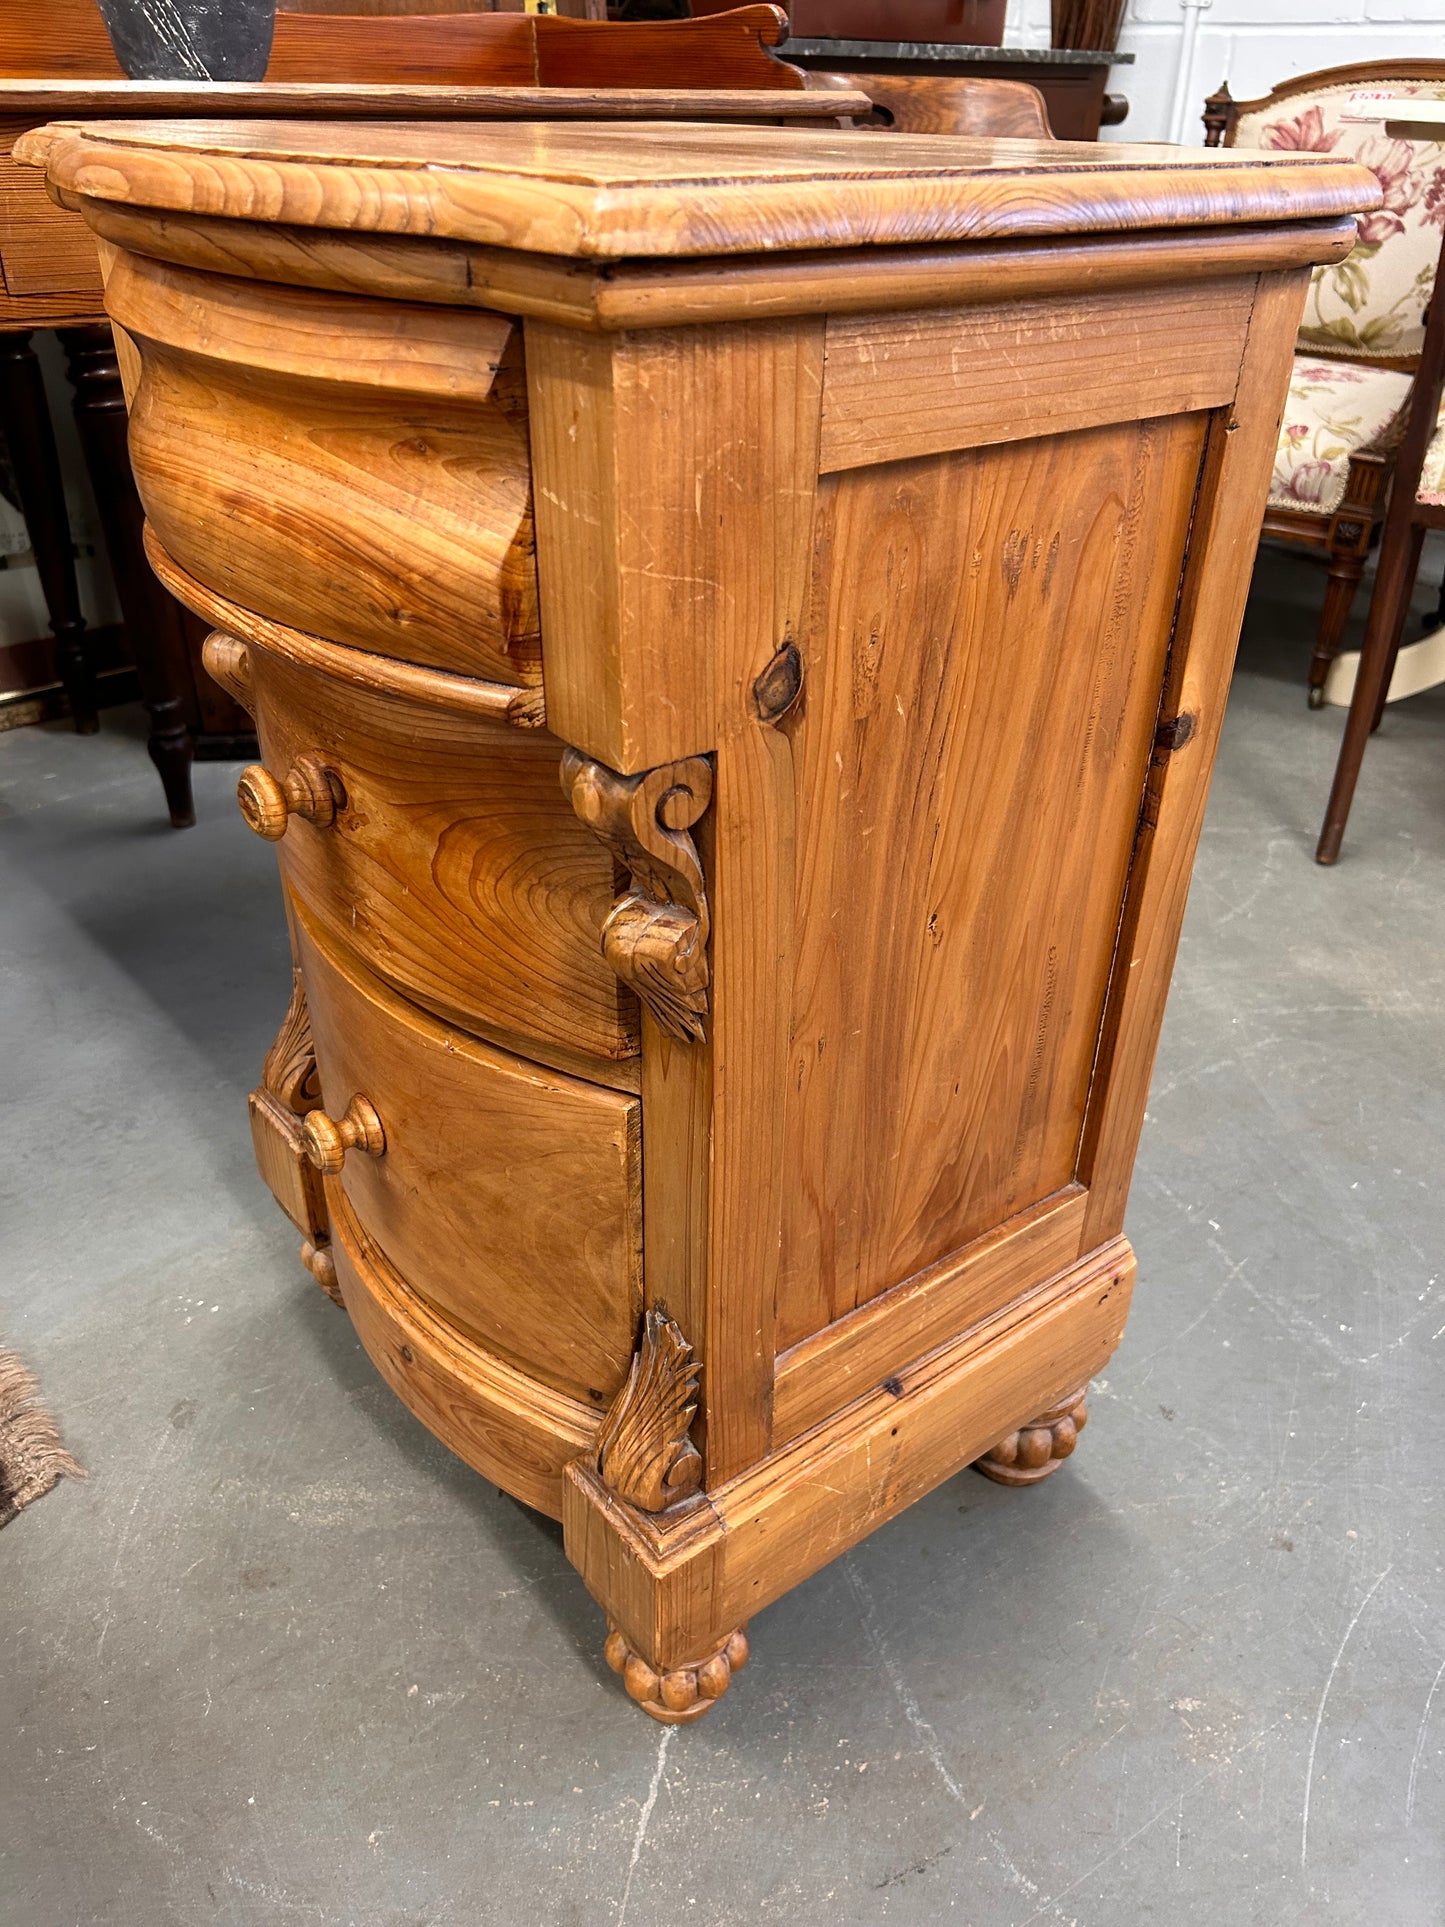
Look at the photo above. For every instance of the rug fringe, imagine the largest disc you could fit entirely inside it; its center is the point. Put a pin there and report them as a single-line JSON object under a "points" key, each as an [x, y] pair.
{"points": [[32, 1454]]}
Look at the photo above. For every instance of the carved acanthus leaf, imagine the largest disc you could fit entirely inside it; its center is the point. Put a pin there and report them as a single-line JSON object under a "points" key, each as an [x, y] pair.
{"points": [[289, 1072], [644, 1453], [655, 937]]}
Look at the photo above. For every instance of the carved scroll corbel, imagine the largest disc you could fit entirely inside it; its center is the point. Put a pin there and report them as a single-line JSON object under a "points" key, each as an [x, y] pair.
{"points": [[644, 1453], [655, 937]]}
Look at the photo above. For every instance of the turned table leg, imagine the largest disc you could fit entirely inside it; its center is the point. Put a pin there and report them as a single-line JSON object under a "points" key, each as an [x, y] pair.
{"points": [[1347, 567], [25, 418], [152, 619], [1040, 1447]]}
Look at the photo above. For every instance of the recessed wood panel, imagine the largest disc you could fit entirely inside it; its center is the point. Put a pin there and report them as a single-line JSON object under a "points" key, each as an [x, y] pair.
{"points": [[903, 385], [509, 1197], [873, 1343], [983, 657]]}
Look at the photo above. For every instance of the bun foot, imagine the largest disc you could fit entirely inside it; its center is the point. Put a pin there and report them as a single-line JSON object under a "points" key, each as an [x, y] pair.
{"points": [[1038, 1448], [679, 1697]]}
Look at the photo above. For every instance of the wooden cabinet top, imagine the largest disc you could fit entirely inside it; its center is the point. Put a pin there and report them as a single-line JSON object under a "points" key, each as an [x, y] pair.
{"points": [[610, 192], [41, 100]]}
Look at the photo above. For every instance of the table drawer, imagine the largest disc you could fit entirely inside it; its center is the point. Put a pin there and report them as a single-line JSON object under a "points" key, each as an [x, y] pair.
{"points": [[357, 469], [507, 1196], [455, 866], [45, 249]]}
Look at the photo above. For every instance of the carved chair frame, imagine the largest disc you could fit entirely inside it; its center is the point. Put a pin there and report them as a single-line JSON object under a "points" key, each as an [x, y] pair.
{"points": [[1345, 534]]}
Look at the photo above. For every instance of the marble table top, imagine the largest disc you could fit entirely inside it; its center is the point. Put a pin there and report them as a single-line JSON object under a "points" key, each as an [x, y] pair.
{"points": [[814, 48]]}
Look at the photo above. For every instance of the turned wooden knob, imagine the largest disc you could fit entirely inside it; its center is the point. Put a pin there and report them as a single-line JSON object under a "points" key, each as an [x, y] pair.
{"points": [[309, 789], [328, 1139]]}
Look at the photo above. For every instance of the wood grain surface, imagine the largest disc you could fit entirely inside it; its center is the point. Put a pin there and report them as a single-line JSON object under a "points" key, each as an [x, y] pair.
{"points": [[355, 469], [944, 104], [62, 37], [68, 38], [935, 607], [972, 755], [1191, 713], [35, 102], [786, 1518], [623, 430], [764, 513], [48, 258], [519, 49], [664, 294], [508, 1196], [677, 1584], [282, 1162], [600, 192], [356, 668], [511, 1427], [822, 1374], [919, 384], [455, 868], [44, 248]]}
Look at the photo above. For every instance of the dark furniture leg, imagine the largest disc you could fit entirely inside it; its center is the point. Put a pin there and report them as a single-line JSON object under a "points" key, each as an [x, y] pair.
{"points": [[152, 619], [1347, 565], [1399, 559], [1382, 694], [1406, 520], [25, 418]]}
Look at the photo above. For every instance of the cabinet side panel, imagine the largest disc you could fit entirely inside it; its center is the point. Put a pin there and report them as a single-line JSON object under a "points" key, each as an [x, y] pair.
{"points": [[1222, 546], [985, 651]]}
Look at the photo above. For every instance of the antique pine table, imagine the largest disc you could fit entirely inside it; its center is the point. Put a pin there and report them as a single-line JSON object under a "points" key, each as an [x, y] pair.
{"points": [[738, 624]]}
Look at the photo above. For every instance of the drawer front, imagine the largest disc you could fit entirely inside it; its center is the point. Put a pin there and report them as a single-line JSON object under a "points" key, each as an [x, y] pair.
{"points": [[45, 248], [357, 469], [455, 866], [507, 1196]]}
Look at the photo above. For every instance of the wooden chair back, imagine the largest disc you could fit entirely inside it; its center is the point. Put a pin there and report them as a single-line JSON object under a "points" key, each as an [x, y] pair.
{"points": [[942, 104]]}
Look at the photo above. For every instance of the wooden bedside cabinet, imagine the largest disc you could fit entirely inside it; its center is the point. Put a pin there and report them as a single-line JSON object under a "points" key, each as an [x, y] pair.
{"points": [[738, 625]]}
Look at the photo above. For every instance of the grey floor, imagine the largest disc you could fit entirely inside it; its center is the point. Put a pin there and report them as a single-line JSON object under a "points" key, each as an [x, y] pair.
{"points": [[281, 1659]]}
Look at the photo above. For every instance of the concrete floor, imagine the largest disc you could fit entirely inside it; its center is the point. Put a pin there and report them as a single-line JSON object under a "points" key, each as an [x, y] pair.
{"points": [[283, 1659]]}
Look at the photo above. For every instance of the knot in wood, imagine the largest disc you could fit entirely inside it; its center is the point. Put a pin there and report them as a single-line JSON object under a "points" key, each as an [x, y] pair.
{"points": [[779, 685]]}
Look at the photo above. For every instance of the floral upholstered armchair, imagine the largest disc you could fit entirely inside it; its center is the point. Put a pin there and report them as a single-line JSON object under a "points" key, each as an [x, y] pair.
{"points": [[1363, 324]]}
